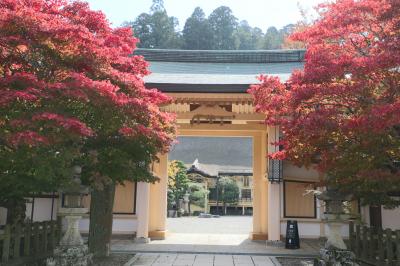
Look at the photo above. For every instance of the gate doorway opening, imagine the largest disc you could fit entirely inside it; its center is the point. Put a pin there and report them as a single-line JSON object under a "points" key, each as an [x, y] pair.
{"points": [[219, 195]]}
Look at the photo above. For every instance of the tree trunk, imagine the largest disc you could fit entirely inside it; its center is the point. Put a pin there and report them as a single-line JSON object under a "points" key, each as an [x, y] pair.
{"points": [[101, 219], [15, 211]]}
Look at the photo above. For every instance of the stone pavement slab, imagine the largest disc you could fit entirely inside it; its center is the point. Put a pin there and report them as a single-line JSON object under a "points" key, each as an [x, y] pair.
{"points": [[162, 259], [224, 235], [237, 244]]}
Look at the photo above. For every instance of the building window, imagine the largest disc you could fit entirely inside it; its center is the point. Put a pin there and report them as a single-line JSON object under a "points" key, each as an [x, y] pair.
{"points": [[297, 202], [246, 193], [124, 199]]}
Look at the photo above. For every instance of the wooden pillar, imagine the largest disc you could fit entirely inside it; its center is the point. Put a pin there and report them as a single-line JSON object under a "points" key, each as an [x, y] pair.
{"points": [[274, 210], [158, 200], [260, 207], [274, 213], [143, 196]]}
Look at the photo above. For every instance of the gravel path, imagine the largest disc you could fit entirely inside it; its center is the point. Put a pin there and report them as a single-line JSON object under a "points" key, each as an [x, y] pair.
{"points": [[114, 260]]}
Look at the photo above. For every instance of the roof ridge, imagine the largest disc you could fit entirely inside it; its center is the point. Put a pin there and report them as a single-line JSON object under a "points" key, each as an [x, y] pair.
{"points": [[222, 56], [223, 51]]}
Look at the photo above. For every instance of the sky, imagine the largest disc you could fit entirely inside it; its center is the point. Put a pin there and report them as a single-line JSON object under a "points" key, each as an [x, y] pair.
{"points": [[259, 13]]}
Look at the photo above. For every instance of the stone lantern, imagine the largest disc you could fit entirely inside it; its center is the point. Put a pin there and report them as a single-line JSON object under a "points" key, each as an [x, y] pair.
{"points": [[186, 202], [335, 251], [72, 250]]}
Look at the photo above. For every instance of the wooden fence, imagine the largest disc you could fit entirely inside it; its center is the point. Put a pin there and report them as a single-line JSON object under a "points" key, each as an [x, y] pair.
{"points": [[31, 241], [375, 246]]}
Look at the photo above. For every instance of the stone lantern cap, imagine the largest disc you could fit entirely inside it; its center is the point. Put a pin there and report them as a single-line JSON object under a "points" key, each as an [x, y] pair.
{"points": [[334, 195], [334, 200], [74, 191]]}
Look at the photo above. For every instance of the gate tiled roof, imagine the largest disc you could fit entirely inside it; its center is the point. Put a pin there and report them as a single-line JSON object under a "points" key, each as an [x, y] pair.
{"points": [[222, 56], [216, 71]]}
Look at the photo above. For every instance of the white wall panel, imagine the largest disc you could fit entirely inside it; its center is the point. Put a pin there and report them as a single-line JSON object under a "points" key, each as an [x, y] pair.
{"points": [[391, 219], [3, 216], [306, 230], [312, 229], [120, 225], [42, 209]]}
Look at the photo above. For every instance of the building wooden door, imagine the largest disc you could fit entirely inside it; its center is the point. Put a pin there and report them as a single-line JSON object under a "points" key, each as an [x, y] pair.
{"points": [[375, 216]]}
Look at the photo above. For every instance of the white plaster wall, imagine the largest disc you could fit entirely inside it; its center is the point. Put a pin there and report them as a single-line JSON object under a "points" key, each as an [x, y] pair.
{"points": [[291, 171], [313, 229], [310, 228], [42, 209], [306, 230], [124, 226], [120, 225], [391, 218], [41, 212], [3, 216]]}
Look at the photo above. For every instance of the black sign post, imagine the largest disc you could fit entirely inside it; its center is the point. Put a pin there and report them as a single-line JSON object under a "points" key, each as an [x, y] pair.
{"points": [[292, 235]]}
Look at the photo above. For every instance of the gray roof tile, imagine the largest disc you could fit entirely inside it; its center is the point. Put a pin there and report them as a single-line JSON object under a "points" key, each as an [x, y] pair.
{"points": [[221, 56], [217, 73]]}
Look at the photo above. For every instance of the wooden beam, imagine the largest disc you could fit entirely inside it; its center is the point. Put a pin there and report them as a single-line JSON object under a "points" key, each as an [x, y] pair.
{"points": [[217, 130], [222, 98], [245, 117]]}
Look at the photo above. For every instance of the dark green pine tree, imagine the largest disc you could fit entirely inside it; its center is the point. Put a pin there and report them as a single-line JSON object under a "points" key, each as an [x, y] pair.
{"points": [[163, 31], [156, 29], [157, 6], [142, 29], [257, 37], [197, 34], [223, 25], [229, 191], [243, 36], [248, 38], [273, 39]]}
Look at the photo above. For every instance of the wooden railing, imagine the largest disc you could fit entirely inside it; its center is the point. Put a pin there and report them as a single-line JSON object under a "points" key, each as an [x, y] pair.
{"points": [[29, 241], [375, 246]]}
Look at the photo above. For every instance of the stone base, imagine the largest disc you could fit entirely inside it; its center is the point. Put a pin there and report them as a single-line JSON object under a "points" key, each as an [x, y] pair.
{"points": [[70, 256], [258, 236], [142, 240], [158, 235], [336, 257]]}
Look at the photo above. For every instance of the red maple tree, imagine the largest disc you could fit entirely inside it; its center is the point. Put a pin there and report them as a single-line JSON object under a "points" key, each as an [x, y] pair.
{"points": [[341, 113], [71, 92]]}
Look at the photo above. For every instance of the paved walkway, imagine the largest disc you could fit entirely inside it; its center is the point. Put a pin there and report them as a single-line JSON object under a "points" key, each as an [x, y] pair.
{"points": [[215, 244], [225, 235], [157, 259], [223, 225]]}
